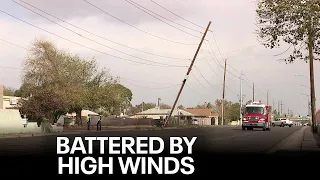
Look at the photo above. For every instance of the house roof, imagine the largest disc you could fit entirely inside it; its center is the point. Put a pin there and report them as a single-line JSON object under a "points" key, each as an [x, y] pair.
{"points": [[201, 112], [156, 111], [186, 112]]}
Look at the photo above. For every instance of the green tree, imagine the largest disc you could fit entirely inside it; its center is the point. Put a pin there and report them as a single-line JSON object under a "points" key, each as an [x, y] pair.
{"points": [[218, 106], [8, 91], [180, 106], [122, 97], [233, 112], [42, 83], [72, 82], [165, 106], [138, 108], [296, 23]]}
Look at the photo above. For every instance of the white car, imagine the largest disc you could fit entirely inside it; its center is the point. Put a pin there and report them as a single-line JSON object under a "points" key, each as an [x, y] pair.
{"points": [[195, 122], [282, 122]]}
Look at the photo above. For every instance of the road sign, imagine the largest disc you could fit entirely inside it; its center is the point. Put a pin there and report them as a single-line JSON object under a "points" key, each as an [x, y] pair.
{"points": [[304, 118]]}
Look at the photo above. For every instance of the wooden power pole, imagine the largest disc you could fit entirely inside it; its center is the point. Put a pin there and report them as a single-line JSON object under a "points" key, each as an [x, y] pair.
{"points": [[312, 90], [223, 91], [241, 98], [268, 98], [253, 93], [187, 75]]}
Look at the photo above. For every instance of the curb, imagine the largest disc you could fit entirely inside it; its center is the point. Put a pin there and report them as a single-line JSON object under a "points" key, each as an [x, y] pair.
{"points": [[291, 142], [79, 132]]}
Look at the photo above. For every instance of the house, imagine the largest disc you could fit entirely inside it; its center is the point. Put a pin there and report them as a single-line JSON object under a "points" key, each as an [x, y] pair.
{"points": [[203, 116], [156, 113], [10, 102], [182, 116]]}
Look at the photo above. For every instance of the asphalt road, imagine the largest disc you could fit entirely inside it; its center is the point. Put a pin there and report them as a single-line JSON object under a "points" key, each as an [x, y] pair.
{"points": [[214, 148], [215, 139]]}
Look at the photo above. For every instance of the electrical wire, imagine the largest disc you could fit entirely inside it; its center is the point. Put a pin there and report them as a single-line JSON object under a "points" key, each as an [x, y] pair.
{"points": [[90, 38], [142, 8], [13, 44], [198, 80], [177, 14], [135, 26], [99, 35], [81, 44]]}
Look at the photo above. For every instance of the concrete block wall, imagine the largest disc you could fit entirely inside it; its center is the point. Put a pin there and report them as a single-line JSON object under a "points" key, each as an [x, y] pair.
{"points": [[11, 123], [32, 127]]}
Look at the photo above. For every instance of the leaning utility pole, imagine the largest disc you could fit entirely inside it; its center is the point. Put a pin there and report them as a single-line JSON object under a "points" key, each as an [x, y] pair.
{"points": [[253, 93], [223, 91], [187, 75], [241, 98]]}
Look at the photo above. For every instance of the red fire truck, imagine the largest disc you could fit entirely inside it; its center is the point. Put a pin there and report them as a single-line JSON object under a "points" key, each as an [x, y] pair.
{"points": [[257, 115]]}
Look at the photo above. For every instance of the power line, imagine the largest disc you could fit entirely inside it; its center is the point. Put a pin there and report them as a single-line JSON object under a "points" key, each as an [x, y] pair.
{"points": [[153, 87], [89, 38], [13, 44], [217, 62], [145, 9], [148, 81], [135, 26], [7, 67], [101, 36], [176, 14], [198, 80], [205, 78], [212, 69], [223, 58], [81, 44], [173, 84]]}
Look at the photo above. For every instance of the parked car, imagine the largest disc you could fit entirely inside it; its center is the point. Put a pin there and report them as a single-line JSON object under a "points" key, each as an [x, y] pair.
{"points": [[195, 122]]}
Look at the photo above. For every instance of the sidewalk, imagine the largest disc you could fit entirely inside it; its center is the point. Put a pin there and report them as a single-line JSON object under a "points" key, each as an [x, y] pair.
{"points": [[310, 141], [303, 140]]}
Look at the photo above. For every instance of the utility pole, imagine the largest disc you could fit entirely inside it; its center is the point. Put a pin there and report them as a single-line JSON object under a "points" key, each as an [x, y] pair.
{"points": [[311, 43], [278, 107], [223, 90], [253, 93], [142, 107], [159, 103], [273, 104], [187, 75], [241, 98], [281, 108], [268, 98], [308, 106]]}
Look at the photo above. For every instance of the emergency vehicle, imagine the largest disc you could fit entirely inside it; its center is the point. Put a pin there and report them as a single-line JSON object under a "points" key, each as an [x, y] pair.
{"points": [[257, 115]]}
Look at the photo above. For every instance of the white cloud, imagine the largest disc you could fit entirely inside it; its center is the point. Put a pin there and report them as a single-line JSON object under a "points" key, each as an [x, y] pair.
{"points": [[233, 25]]}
